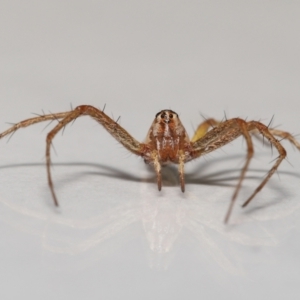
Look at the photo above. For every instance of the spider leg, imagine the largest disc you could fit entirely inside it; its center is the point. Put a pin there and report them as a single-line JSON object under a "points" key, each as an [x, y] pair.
{"points": [[282, 153], [181, 169], [250, 151], [157, 167], [219, 136], [120, 134], [67, 119], [229, 130], [285, 135], [32, 121]]}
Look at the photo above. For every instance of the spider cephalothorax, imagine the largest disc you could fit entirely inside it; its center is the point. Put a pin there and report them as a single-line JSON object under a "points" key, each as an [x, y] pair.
{"points": [[168, 142], [168, 138]]}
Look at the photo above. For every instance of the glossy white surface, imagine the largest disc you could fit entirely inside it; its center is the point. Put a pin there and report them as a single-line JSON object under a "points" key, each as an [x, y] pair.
{"points": [[115, 236]]}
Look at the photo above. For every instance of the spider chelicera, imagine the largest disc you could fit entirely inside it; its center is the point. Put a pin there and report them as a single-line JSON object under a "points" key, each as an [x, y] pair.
{"points": [[168, 142]]}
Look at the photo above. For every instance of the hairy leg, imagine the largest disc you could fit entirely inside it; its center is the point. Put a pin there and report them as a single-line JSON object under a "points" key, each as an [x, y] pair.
{"points": [[286, 136], [229, 130], [120, 134], [244, 130], [282, 154], [31, 121]]}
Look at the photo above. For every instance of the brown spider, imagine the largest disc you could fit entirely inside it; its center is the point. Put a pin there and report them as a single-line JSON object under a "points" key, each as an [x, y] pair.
{"points": [[168, 142]]}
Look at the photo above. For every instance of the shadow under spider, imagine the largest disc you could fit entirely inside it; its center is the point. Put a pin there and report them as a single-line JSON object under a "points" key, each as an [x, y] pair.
{"points": [[217, 178]]}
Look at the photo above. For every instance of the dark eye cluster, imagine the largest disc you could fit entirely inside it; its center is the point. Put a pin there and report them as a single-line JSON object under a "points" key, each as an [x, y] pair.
{"points": [[162, 114]]}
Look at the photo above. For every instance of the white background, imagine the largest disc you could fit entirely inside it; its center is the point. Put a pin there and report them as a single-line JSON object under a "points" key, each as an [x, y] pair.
{"points": [[115, 236]]}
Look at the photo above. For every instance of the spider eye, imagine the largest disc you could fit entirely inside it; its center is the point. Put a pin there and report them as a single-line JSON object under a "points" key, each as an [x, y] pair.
{"points": [[163, 115], [171, 116]]}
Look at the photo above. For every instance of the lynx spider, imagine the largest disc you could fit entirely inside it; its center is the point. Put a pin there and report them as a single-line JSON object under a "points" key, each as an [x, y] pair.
{"points": [[168, 142]]}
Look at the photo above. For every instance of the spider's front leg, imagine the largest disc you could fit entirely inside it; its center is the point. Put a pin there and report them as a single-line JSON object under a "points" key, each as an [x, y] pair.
{"points": [[120, 134]]}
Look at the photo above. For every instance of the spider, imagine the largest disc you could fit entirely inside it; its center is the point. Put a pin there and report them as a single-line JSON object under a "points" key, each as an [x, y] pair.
{"points": [[168, 142]]}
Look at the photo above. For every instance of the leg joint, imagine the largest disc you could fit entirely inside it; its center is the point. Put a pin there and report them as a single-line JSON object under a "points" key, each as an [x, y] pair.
{"points": [[82, 109]]}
